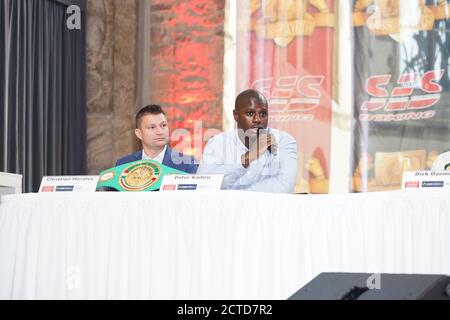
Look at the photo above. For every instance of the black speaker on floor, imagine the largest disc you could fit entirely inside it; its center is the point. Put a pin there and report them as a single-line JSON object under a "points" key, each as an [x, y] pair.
{"points": [[367, 286]]}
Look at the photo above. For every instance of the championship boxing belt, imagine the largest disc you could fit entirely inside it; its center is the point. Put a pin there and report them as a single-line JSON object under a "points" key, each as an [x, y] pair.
{"points": [[142, 175]]}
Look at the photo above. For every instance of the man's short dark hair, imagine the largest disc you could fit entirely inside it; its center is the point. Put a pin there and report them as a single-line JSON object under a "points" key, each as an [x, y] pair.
{"points": [[149, 109], [248, 95]]}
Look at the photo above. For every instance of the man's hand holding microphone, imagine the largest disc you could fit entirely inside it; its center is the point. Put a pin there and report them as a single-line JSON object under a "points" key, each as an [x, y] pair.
{"points": [[264, 141]]}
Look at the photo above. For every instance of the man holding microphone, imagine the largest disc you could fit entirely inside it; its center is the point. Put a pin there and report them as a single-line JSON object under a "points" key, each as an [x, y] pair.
{"points": [[252, 157]]}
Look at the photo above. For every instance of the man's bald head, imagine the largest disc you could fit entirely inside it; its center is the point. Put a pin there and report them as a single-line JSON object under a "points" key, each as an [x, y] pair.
{"points": [[246, 97], [251, 112]]}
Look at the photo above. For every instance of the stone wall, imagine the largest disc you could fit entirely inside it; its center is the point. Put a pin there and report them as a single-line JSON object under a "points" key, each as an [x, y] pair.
{"points": [[185, 73], [111, 80]]}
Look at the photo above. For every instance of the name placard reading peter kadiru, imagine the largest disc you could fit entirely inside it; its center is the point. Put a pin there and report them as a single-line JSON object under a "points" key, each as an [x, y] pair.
{"points": [[192, 182]]}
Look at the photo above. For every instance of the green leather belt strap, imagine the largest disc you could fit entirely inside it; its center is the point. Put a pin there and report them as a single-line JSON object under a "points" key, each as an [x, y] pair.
{"points": [[142, 175]]}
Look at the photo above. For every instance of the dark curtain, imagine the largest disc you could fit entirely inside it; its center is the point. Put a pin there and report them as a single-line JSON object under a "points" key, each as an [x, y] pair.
{"points": [[42, 91]]}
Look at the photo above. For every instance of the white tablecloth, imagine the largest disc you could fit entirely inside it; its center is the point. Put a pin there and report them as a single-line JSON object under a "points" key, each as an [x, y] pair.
{"points": [[221, 245]]}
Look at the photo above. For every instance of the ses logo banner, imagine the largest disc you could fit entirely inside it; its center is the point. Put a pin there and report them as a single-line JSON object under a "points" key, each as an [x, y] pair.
{"points": [[293, 94], [411, 98]]}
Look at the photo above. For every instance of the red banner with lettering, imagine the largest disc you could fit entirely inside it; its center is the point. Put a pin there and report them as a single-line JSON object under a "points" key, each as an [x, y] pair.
{"points": [[402, 89]]}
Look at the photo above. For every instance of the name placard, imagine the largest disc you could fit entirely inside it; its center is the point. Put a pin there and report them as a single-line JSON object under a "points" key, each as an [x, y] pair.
{"points": [[68, 184], [426, 180], [191, 182]]}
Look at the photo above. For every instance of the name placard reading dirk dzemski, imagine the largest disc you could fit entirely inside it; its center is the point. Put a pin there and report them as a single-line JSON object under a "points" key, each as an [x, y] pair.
{"points": [[426, 180]]}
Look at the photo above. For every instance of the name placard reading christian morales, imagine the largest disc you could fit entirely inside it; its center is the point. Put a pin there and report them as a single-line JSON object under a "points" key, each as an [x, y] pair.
{"points": [[68, 184], [426, 180], [196, 182]]}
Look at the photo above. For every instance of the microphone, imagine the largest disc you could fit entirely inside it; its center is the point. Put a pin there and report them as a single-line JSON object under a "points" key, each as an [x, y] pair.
{"points": [[263, 131]]}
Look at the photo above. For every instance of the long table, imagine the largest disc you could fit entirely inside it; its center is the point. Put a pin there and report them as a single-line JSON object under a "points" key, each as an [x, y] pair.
{"points": [[212, 245]]}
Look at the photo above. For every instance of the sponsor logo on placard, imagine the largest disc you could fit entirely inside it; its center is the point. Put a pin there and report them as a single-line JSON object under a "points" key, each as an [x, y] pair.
{"points": [[433, 184], [64, 188], [47, 189], [412, 184], [187, 187], [169, 187]]}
